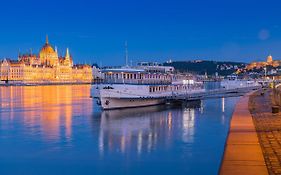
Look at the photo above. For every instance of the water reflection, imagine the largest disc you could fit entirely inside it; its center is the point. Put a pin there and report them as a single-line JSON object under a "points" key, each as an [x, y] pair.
{"points": [[188, 125], [139, 128], [223, 104], [50, 108]]}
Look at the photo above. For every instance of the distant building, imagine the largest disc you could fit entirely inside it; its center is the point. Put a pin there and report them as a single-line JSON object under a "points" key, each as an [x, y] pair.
{"points": [[269, 62], [47, 67]]}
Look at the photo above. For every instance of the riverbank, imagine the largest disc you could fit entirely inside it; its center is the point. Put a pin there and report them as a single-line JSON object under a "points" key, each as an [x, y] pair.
{"points": [[243, 153]]}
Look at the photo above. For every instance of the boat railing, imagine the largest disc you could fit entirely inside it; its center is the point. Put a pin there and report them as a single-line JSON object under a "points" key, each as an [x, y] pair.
{"points": [[137, 81]]}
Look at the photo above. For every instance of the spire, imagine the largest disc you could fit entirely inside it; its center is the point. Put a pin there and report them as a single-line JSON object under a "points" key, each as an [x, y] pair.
{"points": [[67, 56], [56, 49], [47, 39]]}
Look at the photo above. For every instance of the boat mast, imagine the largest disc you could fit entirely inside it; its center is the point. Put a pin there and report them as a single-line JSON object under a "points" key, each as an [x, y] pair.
{"points": [[126, 53]]}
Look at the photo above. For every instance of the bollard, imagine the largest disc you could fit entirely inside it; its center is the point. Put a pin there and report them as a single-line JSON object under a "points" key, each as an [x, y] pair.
{"points": [[275, 109]]}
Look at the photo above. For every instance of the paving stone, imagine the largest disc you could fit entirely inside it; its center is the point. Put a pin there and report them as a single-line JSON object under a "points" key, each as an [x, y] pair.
{"points": [[268, 127]]}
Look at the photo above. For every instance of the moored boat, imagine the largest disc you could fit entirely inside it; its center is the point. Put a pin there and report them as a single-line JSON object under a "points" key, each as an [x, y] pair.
{"points": [[141, 86]]}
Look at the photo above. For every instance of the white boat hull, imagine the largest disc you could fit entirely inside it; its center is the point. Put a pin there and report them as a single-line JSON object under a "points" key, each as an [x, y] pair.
{"points": [[117, 103], [114, 96]]}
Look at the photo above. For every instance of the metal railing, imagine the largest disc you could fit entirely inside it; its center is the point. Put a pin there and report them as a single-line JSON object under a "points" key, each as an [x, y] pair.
{"points": [[137, 82]]}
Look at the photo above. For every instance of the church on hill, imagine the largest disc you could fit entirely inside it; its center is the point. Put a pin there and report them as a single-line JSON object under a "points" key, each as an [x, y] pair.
{"points": [[269, 62]]}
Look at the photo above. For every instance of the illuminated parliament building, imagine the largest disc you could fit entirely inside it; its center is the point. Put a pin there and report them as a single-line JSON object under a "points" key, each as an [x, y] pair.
{"points": [[47, 67]]}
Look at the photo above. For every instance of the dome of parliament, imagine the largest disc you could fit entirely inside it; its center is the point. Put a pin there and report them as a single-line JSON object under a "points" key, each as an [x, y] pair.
{"points": [[47, 48]]}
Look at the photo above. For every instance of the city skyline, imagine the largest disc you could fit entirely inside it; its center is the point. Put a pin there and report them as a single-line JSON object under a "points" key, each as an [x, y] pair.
{"points": [[155, 31]]}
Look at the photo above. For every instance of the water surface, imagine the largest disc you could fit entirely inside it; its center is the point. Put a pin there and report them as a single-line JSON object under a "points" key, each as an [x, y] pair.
{"points": [[59, 130]]}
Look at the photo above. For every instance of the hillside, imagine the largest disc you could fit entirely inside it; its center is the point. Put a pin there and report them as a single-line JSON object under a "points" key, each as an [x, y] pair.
{"points": [[211, 67]]}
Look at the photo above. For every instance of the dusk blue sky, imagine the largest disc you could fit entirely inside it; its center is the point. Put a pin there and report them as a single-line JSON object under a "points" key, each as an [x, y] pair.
{"points": [[96, 30]]}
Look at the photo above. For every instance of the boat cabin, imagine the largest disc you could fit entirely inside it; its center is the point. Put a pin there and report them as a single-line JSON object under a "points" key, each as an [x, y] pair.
{"points": [[135, 76]]}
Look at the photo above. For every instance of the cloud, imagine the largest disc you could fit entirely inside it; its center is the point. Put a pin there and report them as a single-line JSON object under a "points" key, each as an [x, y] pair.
{"points": [[263, 34]]}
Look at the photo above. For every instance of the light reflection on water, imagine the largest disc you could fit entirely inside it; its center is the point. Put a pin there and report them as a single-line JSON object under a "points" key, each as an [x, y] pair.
{"points": [[59, 130]]}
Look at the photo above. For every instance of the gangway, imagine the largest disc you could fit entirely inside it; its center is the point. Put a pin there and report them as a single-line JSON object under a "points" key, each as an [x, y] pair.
{"points": [[213, 93]]}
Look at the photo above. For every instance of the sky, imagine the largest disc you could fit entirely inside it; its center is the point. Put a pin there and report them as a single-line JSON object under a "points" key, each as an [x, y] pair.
{"points": [[95, 31]]}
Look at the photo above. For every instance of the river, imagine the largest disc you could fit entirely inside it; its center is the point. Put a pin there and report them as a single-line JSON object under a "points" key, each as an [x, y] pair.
{"points": [[59, 130]]}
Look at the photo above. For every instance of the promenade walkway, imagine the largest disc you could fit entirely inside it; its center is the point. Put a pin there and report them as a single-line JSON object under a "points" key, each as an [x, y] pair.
{"points": [[243, 153], [268, 127]]}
